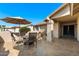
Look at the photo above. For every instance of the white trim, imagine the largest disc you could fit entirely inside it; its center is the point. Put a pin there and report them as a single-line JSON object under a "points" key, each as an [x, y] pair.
{"points": [[69, 23], [57, 9]]}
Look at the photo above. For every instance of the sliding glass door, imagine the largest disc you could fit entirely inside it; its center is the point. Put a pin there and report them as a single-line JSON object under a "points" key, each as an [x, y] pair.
{"points": [[68, 30]]}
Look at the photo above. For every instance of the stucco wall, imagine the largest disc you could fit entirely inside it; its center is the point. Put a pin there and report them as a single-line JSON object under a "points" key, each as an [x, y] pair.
{"points": [[56, 30]]}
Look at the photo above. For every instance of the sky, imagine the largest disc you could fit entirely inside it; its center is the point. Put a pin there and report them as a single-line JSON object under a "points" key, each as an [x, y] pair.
{"points": [[33, 12]]}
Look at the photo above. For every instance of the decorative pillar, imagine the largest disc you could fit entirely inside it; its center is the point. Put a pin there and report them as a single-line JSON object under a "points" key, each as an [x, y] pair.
{"points": [[78, 29], [49, 31], [49, 38]]}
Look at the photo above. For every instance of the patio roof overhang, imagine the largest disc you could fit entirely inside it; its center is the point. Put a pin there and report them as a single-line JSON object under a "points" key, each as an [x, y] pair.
{"points": [[67, 18], [40, 25]]}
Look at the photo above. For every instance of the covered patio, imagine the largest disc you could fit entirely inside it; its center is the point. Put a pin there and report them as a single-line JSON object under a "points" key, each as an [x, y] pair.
{"points": [[65, 22], [65, 26]]}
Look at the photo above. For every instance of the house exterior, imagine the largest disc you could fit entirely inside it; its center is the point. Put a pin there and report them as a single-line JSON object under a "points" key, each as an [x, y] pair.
{"points": [[65, 21], [47, 26], [15, 29], [2, 27], [40, 26]]}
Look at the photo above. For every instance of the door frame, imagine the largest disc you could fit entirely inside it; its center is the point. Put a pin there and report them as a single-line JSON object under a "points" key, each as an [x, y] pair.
{"points": [[69, 24]]}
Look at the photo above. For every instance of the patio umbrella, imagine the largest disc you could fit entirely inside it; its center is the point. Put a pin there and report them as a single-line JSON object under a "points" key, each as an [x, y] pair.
{"points": [[15, 20]]}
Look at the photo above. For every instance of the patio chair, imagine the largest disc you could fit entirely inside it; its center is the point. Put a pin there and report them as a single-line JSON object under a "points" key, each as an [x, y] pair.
{"points": [[44, 35], [16, 39], [32, 40], [25, 38]]}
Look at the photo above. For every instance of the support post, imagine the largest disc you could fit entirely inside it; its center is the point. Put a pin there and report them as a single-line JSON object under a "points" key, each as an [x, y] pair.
{"points": [[78, 29], [49, 30], [49, 38]]}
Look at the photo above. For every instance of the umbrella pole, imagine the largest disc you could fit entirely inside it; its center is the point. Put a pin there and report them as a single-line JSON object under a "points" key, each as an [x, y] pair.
{"points": [[19, 29], [19, 32]]}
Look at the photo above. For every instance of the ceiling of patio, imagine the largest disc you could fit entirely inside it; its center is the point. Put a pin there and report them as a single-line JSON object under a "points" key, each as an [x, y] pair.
{"points": [[67, 18]]}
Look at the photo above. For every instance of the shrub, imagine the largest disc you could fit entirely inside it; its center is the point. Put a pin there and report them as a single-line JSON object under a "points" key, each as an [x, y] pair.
{"points": [[24, 30]]}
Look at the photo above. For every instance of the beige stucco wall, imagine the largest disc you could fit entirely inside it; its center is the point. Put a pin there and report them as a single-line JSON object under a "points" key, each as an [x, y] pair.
{"points": [[52, 22], [55, 25], [56, 30]]}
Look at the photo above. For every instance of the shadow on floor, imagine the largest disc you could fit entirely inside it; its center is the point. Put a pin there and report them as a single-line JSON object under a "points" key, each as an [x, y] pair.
{"points": [[24, 50]]}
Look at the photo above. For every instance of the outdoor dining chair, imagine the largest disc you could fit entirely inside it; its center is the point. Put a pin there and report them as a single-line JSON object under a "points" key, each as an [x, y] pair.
{"points": [[32, 40]]}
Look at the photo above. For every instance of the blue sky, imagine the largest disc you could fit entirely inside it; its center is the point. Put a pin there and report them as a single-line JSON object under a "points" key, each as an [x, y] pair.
{"points": [[34, 12]]}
